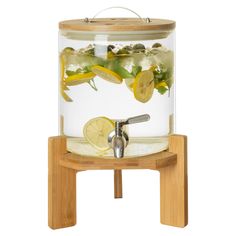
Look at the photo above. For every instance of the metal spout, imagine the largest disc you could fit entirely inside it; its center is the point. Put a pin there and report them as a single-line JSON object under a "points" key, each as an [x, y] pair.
{"points": [[118, 147], [118, 139]]}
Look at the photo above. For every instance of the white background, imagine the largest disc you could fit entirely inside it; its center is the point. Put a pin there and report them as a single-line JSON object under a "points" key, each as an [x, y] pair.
{"points": [[206, 85]]}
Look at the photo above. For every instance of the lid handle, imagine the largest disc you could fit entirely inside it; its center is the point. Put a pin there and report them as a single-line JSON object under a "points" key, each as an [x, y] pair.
{"points": [[147, 20]]}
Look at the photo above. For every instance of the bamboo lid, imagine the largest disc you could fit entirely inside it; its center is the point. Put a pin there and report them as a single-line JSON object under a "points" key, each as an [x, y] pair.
{"points": [[117, 24]]}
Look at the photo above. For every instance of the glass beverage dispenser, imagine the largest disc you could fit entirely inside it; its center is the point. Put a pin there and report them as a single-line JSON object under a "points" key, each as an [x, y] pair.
{"points": [[116, 85], [116, 112]]}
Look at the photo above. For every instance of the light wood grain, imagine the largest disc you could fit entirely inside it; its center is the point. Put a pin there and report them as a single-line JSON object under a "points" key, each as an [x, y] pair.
{"points": [[117, 24], [173, 185], [153, 162], [61, 187], [117, 183], [62, 168]]}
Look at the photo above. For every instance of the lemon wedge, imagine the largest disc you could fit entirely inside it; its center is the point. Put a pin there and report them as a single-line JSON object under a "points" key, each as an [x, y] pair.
{"points": [[143, 86], [79, 78], [107, 74], [96, 132]]}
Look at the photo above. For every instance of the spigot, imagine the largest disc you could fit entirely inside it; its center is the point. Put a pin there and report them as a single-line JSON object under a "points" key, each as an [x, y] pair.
{"points": [[119, 139]]}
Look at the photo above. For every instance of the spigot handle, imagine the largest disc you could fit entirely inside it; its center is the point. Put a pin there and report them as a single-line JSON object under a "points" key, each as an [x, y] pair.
{"points": [[137, 119], [118, 139]]}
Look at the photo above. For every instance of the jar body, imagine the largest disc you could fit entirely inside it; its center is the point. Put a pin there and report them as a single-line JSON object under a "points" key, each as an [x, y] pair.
{"points": [[109, 84]]}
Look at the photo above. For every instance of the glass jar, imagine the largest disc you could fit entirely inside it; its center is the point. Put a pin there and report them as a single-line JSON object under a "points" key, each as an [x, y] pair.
{"points": [[112, 69]]}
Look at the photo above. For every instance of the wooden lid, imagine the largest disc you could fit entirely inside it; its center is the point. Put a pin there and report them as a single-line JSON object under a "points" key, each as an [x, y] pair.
{"points": [[117, 24]]}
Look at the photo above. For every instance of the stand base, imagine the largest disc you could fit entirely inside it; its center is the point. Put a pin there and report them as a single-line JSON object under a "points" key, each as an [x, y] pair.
{"points": [[63, 166]]}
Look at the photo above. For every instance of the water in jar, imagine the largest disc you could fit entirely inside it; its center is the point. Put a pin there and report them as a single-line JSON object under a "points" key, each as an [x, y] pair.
{"points": [[102, 81]]}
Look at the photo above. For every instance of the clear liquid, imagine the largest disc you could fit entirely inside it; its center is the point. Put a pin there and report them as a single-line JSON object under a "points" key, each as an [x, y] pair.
{"points": [[136, 147], [117, 101]]}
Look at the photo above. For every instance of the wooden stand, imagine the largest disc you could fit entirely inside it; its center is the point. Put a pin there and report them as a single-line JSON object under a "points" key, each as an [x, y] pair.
{"points": [[62, 168]]}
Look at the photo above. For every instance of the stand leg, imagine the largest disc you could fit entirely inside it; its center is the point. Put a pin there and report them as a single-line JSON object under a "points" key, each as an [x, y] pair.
{"points": [[173, 184], [61, 187], [117, 183]]}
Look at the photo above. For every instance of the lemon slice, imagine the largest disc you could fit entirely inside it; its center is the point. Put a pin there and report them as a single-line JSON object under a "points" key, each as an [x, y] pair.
{"points": [[65, 96], [79, 78], [96, 132], [143, 86], [63, 85], [107, 74], [62, 66]]}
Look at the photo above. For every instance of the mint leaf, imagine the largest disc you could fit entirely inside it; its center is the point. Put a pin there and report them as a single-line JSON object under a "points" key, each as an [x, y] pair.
{"points": [[79, 70], [121, 71], [162, 90], [71, 72], [87, 69], [136, 70]]}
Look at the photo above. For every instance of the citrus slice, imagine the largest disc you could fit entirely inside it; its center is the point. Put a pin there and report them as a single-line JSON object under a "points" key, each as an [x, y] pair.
{"points": [[63, 85], [96, 132], [79, 78], [65, 96], [107, 74], [62, 66], [143, 86]]}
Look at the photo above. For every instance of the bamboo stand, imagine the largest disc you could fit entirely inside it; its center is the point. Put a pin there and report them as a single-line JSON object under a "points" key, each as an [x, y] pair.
{"points": [[63, 166]]}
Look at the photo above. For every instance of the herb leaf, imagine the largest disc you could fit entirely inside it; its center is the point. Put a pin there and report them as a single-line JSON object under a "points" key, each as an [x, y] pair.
{"points": [[162, 90], [120, 70], [136, 70], [71, 72]]}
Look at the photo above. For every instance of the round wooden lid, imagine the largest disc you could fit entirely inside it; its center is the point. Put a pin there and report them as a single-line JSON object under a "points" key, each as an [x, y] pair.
{"points": [[117, 24]]}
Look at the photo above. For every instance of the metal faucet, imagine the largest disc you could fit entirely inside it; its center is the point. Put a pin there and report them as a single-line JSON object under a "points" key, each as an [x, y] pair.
{"points": [[119, 139]]}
